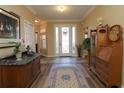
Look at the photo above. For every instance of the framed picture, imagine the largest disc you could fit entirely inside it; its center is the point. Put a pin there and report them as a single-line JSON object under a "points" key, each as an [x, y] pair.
{"points": [[9, 28]]}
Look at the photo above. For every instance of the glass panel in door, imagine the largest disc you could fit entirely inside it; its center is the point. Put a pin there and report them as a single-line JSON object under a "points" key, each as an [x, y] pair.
{"points": [[73, 40], [57, 40], [65, 40]]}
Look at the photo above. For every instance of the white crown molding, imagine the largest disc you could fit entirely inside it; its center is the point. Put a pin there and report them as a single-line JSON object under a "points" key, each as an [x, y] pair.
{"points": [[62, 20], [31, 9], [88, 12], [76, 20]]}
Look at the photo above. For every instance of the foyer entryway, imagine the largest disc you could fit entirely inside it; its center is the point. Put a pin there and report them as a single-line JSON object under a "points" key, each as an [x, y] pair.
{"points": [[65, 40]]}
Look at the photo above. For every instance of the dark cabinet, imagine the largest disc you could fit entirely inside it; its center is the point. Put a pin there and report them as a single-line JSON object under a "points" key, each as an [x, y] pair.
{"points": [[20, 76]]}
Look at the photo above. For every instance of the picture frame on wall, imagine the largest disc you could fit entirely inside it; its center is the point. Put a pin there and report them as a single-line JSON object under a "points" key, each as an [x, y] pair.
{"points": [[9, 28]]}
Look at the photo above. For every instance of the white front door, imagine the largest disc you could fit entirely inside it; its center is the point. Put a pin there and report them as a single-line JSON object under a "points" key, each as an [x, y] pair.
{"points": [[65, 40]]}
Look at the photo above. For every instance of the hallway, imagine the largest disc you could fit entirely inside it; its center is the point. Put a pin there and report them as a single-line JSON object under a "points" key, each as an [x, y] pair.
{"points": [[65, 72]]}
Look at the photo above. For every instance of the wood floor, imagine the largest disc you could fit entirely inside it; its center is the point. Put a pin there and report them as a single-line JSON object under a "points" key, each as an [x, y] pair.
{"points": [[73, 69]]}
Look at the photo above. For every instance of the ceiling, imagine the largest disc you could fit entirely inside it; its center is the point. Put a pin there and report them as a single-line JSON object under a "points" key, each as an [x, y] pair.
{"points": [[51, 12]]}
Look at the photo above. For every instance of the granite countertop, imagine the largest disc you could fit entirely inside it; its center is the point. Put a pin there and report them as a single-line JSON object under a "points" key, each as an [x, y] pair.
{"points": [[12, 61]]}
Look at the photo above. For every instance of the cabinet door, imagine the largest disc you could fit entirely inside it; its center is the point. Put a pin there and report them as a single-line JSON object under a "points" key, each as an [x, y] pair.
{"points": [[0, 78], [28, 76], [10, 77], [93, 49], [36, 67], [102, 70]]}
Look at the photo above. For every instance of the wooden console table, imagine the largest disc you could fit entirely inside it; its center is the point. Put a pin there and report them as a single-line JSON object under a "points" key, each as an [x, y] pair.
{"points": [[19, 74]]}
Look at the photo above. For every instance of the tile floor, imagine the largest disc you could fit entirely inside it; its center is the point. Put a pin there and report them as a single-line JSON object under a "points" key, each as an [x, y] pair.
{"points": [[65, 72]]}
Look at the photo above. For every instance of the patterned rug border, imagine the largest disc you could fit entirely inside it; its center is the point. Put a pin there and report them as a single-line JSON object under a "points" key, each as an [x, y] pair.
{"points": [[77, 73], [61, 62]]}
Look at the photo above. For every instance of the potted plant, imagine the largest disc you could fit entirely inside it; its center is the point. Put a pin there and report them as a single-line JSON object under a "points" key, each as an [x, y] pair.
{"points": [[86, 46], [17, 51], [79, 48]]}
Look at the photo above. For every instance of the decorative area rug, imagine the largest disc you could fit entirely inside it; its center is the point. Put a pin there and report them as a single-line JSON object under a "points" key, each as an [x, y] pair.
{"points": [[66, 77], [69, 76]]}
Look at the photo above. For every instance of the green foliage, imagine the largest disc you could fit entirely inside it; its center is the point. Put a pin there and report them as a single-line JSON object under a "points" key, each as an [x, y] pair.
{"points": [[16, 49], [86, 43]]}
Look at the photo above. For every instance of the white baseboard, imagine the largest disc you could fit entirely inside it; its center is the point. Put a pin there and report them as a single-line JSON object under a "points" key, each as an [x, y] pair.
{"points": [[48, 55], [59, 56], [43, 54], [54, 55]]}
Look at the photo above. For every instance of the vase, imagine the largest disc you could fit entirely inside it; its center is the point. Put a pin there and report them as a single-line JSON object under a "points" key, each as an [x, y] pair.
{"points": [[19, 56]]}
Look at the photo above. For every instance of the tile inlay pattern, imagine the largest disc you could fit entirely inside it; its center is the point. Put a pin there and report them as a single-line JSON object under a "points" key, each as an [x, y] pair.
{"points": [[65, 77]]}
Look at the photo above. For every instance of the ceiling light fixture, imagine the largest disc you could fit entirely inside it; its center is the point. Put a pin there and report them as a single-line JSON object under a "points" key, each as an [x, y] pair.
{"points": [[36, 20], [61, 8]]}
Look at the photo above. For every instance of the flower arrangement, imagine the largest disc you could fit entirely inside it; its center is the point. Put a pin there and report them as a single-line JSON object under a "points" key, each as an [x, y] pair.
{"points": [[17, 48]]}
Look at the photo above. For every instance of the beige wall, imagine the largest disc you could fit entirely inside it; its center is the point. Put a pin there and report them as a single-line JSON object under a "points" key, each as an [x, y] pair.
{"points": [[50, 35], [24, 14], [111, 15]]}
